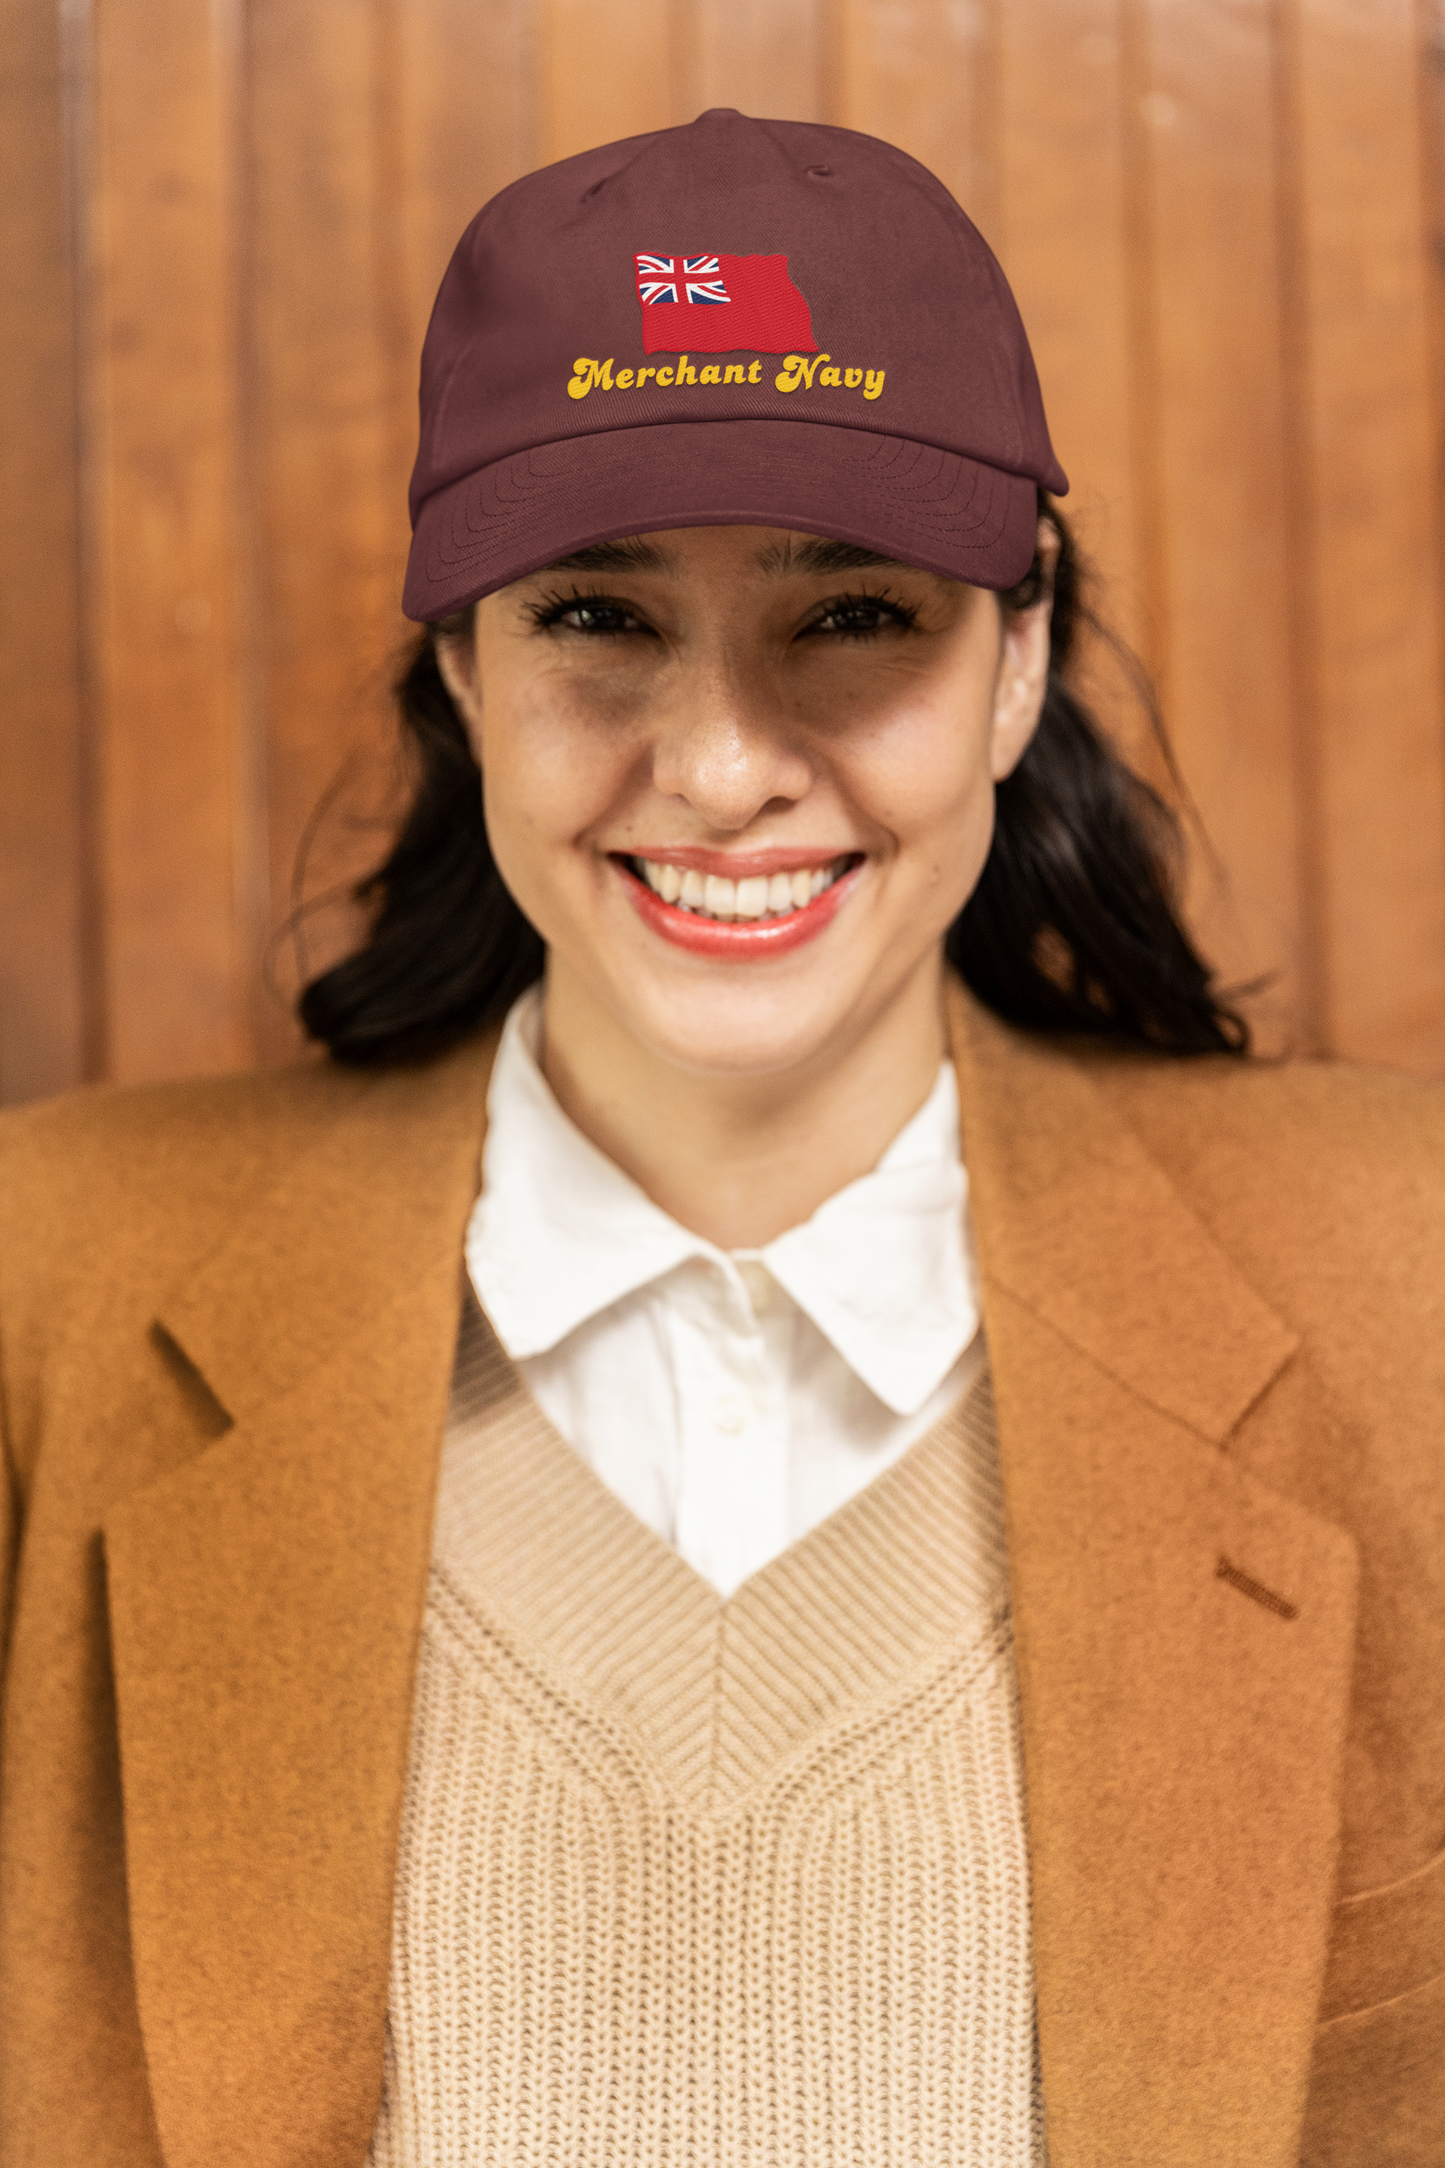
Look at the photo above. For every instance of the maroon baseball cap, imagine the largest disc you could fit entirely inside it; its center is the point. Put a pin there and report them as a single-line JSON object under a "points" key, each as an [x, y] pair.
{"points": [[740, 321]]}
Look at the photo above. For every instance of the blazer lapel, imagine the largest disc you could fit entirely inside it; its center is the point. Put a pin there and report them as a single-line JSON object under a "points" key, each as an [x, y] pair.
{"points": [[265, 1605], [1182, 1734]]}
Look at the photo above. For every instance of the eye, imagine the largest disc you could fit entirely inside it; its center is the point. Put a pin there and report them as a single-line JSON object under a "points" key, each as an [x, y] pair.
{"points": [[595, 616], [861, 617]]}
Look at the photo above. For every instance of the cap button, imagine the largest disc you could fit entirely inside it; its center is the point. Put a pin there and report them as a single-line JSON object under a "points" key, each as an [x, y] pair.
{"points": [[721, 112]]}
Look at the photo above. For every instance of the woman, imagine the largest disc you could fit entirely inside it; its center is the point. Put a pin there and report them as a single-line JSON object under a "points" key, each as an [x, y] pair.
{"points": [[528, 1637]]}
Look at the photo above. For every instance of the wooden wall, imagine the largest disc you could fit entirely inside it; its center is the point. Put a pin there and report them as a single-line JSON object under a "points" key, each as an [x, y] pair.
{"points": [[222, 222]]}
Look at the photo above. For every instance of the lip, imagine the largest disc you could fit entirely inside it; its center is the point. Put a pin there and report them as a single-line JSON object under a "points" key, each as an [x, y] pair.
{"points": [[737, 865], [737, 941]]}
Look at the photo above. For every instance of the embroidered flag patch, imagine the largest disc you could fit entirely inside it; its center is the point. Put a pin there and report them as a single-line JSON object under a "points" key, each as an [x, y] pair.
{"points": [[718, 304], [680, 278]]}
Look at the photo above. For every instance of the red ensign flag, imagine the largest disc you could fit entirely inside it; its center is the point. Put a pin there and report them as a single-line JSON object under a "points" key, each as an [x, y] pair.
{"points": [[718, 304]]}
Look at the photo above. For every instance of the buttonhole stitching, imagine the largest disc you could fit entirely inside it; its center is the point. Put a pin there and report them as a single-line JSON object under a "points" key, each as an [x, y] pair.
{"points": [[1248, 1586]]}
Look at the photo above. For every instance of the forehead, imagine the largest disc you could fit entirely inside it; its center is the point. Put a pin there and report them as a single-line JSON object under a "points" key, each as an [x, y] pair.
{"points": [[772, 558]]}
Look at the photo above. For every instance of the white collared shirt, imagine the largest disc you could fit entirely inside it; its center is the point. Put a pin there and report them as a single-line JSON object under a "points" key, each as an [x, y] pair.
{"points": [[731, 1399]]}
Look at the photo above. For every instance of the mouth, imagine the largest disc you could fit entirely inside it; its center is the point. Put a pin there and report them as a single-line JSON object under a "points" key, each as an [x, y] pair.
{"points": [[759, 912]]}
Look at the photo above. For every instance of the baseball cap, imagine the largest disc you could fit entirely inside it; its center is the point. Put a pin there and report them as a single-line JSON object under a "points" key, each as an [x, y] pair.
{"points": [[738, 321]]}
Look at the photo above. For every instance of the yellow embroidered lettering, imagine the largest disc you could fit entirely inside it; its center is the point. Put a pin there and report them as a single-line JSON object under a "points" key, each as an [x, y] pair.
{"points": [[664, 376], [584, 373], [796, 371], [685, 375], [624, 380], [602, 376], [874, 384], [831, 376], [852, 378], [755, 373], [643, 375], [734, 373], [712, 374]]}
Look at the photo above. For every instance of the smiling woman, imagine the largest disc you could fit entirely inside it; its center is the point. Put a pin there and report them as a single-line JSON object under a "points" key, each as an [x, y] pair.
{"points": [[789, 1515], [1070, 926], [696, 717]]}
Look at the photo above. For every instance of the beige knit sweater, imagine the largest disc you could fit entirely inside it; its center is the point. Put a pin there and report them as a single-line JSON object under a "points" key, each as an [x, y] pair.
{"points": [[687, 1883]]}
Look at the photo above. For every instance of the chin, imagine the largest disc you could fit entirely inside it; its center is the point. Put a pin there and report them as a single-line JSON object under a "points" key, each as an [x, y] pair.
{"points": [[732, 1030]]}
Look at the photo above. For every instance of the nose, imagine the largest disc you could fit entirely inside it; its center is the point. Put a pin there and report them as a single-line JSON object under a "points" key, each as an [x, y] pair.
{"points": [[724, 745]]}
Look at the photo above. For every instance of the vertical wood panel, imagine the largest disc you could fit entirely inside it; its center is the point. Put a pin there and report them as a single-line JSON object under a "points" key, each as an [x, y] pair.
{"points": [[604, 76], [332, 435], [45, 960], [1206, 109], [1371, 559], [1431, 20], [765, 57], [175, 814], [1064, 236]]}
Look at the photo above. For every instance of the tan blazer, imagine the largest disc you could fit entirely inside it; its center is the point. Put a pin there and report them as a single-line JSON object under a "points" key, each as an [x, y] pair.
{"points": [[1215, 1301]]}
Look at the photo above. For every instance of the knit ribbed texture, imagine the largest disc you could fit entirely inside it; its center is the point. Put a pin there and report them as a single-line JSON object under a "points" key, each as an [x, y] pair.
{"points": [[685, 1881]]}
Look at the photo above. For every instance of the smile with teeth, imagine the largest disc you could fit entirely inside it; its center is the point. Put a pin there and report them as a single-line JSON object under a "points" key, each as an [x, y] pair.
{"points": [[761, 896]]}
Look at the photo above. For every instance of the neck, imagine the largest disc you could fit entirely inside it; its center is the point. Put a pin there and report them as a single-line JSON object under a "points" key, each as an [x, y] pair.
{"points": [[739, 1159]]}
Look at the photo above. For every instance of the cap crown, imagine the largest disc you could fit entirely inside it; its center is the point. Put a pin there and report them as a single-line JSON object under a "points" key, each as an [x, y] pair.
{"points": [[543, 321]]}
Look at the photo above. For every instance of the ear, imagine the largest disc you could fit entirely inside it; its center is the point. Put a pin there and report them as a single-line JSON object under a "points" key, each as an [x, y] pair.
{"points": [[457, 661], [1023, 667]]}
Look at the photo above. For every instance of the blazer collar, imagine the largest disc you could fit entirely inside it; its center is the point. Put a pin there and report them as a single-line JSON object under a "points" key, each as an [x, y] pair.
{"points": [[1182, 1741]]}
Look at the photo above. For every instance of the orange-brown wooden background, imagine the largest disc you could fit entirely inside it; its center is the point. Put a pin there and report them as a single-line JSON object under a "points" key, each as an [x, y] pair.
{"points": [[221, 225]]}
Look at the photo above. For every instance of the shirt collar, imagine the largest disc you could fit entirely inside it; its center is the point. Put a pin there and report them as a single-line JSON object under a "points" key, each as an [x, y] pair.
{"points": [[884, 1268]]}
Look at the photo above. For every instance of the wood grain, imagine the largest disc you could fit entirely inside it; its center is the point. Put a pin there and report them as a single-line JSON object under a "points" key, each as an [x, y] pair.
{"points": [[1064, 235], [765, 57], [1369, 553], [332, 435], [1431, 50], [177, 845], [47, 990], [1204, 107], [596, 85]]}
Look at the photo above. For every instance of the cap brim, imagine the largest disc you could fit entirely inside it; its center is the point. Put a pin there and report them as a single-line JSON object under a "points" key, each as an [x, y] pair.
{"points": [[913, 502]]}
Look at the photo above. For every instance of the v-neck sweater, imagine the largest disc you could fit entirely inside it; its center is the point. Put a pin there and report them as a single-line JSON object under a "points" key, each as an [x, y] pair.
{"points": [[692, 1880]]}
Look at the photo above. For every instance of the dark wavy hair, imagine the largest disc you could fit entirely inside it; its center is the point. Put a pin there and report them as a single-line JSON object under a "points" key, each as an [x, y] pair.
{"points": [[1073, 925]]}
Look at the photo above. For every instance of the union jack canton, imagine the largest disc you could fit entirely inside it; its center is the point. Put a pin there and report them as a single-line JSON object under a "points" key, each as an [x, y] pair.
{"points": [[679, 278]]}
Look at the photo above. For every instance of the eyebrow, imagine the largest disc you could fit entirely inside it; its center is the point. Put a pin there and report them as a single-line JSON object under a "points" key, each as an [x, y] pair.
{"points": [[817, 554]]}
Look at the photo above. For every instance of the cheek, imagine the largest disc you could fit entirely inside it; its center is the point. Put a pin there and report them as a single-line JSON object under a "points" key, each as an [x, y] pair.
{"points": [[543, 768], [548, 775], [925, 778]]}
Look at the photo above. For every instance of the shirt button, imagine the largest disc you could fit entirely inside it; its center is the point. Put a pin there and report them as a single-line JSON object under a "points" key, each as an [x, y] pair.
{"points": [[729, 1414]]}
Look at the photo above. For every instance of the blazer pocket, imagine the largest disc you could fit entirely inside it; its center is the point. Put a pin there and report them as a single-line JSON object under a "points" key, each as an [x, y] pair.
{"points": [[1377, 2085], [1386, 1942], [1377, 2081]]}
